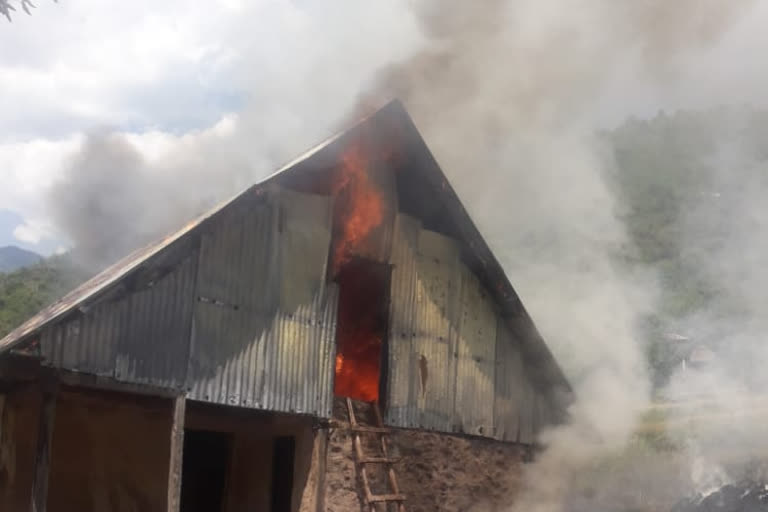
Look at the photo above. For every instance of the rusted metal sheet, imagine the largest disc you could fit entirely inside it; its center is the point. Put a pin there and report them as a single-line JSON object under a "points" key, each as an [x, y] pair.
{"points": [[510, 379], [141, 336], [422, 358], [476, 347], [265, 322]]}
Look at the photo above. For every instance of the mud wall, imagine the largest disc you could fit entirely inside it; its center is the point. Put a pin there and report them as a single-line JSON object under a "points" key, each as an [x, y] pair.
{"points": [[436, 472], [19, 411], [109, 452]]}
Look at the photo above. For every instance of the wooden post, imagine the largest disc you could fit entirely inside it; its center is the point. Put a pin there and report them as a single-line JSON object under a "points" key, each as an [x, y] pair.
{"points": [[43, 452], [2, 409], [321, 453], [176, 453]]}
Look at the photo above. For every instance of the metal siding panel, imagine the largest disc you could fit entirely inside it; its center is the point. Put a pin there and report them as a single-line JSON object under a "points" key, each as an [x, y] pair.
{"points": [[264, 336], [237, 297], [527, 403], [509, 385], [539, 414], [422, 319], [139, 337], [304, 296], [433, 344], [401, 410], [153, 341], [475, 375]]}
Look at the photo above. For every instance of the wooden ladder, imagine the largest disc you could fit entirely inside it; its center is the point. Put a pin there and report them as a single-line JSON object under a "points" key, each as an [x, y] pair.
{"points": [[363, 461]]}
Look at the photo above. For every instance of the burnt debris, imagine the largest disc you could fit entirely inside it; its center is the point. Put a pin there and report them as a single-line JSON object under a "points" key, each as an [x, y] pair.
{"points": [[744, 497]]}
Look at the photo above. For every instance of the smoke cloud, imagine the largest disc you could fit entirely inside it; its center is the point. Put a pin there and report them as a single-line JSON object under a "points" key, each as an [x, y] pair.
{"points": [[508, 96], [724, 231]]}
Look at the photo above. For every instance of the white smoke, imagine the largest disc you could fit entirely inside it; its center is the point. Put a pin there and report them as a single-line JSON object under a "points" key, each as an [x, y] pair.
{"points": [[507, 95], [724, 236]]}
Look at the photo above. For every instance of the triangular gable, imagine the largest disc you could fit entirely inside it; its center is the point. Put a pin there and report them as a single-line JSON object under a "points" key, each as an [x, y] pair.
{"points": [[425, 193]]}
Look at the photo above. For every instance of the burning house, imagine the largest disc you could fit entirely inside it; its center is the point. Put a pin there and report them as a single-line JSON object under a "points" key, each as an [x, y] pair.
{"points": [[336, 337]]}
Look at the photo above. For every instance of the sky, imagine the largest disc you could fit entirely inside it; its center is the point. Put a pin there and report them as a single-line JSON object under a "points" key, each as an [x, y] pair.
{"points": [[166, 72]]}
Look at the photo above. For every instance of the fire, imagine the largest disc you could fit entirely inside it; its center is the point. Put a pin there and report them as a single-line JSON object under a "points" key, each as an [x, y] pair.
{"points": [[361, 328], [359, 211], [363, 206]]}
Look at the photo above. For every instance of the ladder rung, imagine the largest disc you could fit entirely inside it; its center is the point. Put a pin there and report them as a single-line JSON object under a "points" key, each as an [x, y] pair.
{"points": [[378, 460], [386, 497]]}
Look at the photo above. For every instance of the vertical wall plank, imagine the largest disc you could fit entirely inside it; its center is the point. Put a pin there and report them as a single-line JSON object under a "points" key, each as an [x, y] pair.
{"points": [[176, 453], [43, 451]]}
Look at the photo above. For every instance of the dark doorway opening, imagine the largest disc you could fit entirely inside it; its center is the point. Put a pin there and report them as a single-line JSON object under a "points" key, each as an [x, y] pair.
{"points": [[283, 454], [362, 328], [205, 469]]}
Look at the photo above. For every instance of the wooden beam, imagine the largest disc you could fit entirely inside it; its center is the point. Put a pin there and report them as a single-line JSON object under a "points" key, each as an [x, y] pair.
{"points": [[75, 379], [43, 452], [176, 453]]}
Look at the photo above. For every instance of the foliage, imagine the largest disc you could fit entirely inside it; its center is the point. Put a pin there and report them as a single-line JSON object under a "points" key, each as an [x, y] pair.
{"points": [[682, 179], [26, 291], [7, 7]]}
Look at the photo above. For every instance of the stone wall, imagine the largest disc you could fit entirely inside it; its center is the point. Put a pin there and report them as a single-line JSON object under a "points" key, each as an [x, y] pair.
{"points": [[437, 472]]}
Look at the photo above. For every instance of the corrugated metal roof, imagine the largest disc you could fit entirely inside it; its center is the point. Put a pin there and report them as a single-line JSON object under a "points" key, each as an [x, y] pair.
{"points": [[80, 297], [418, 172]]}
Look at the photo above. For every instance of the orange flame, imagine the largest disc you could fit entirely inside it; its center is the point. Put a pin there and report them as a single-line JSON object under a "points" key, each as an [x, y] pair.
{"points": [[359, 211], [364, 206]]}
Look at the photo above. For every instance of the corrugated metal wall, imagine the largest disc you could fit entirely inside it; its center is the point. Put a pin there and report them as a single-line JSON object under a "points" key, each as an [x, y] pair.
{"points": [[142, 337], [476, 363], [246, 319], [454, 366], [264, 327], [510, 382], [422, 347]]}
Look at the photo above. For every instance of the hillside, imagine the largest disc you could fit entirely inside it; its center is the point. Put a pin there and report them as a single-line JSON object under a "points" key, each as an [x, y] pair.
{"points": [[692, 188], [12, 258], [25, 291]]}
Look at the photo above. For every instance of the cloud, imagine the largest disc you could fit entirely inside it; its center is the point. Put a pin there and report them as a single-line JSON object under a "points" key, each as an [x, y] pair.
{"points": [[27, 170], [137, 63], [27, 233]]}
